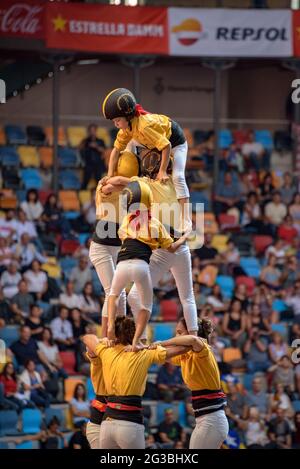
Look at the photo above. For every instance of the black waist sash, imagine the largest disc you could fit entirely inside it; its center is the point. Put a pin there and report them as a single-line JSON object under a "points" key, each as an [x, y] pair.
{"points": [[124, 408], [207, 401]]}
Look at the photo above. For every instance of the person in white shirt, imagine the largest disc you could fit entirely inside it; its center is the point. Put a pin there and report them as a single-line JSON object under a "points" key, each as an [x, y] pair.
{"points": [[275, 211], [69, 298], [255, 429], [32, 207], [36, 280], [278, 250], [25, 226], [89, 304], [254, 151], [26, 252], [62, 329], [10, 280], [8, 225], [293, 300], [81, 274], [6, 252]]}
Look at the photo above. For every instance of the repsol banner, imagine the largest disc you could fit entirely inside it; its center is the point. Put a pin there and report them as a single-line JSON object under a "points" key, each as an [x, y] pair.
{"points": [[230, 33]]}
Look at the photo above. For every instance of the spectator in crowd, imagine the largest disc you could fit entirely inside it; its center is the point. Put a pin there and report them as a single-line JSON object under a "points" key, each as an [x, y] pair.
{"points": [[62, 329], [228, 195], [92, 154], [275, 211], [234, 323], [36, 280], [280, 400], [287, 231], [270, 275], [78, 330], [283, 373], [69, 298], [254, 153], [255, 429], [251, 212], [236, 405], [255, 320], [25, 226], [170, 431], [258, 398], [35, 322], [215, 299], [277, 348], [83, 249], [81, 274], [169, 383], [32, 207], [240, 294], [13, 399], [278, 250], [26, 252], [78, 440], [9, 280], [21, 302], [207, 253], [50, 350], [79, 405], [30, 380], [5, 316], [265, 189], [296, 434], [256, 352], [280, 432], [293, 299], [217, 347], [26, 349], [288, 189], [53, 217], [6, 254], [231, 260], [294, 211], [89, 210], [290, 273], [52, 437], [8, 226], [89, 304]]}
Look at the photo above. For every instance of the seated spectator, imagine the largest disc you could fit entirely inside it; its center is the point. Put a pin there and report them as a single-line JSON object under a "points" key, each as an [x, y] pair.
{"points": [[278, 250], [277, 348], [255, 429], [251, 212], [92, 154], [53, 217], [240, 294], [81, 274], [255, 153], [280, 400], [228, 195], [288, 189], [265, 189], [169, 383], [234, 323], [287, 231], [215, 299], [89, 304], [12, 399], [296, 434], [270, 275], [293, 300], [8, 226], [283, 373], [6, 254], [231, 260], [32, 207], [25, 226], [30, 380], [36, 280], [166, 287], [78, 440], [62, 329], [207, 311], [46, 176], [9, 280], [280, 433], [78, 323], [207, 254], [264, 298], [294, 211], [50, 350], [83, 249], [170, 431], [52, 437], [35, 322], [217, 347], [89, 210], [275, 211], [290, 273], [256, 352], [5, 316], [236, 404], [255, 320], [69, 298], [26, 252], [258, 397], [21, 302], [26, 349], [79, 405]]}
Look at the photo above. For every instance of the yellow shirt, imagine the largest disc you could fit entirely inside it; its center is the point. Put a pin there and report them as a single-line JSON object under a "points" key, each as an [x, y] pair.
{"points": [[97, 375], [107, 206], [199, 369], [125, 373], [150, 130]]}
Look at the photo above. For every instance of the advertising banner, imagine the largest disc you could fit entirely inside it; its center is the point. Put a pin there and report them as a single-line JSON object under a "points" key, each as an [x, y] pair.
{"points": [[22, 19]]}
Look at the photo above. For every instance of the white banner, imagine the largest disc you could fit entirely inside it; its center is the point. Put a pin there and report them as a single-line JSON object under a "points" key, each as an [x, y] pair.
{"points": [[230, 33]]}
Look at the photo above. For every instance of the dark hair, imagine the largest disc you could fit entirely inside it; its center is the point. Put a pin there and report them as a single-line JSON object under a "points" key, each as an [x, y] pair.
{"points": [[205, 327], [34, 305], [61, 307], [51, 340], [32, 191], [124, 330], [28, 361], [4, 371], [76, 391], [53, 421]]}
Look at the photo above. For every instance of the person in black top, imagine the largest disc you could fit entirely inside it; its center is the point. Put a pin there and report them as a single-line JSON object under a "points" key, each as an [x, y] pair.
{"points": [[35, 322], [78, 439], [207, 254], [169, 430], [26, 349], [92, 154]]}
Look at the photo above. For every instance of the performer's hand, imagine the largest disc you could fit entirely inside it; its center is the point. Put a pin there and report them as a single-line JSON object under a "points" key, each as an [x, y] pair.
{"points": [[162, 176], [136, 347], [111, 334], [104, 180]]}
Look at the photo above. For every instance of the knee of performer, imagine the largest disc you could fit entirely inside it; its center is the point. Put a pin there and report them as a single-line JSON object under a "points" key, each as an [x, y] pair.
{"points": [[178, 179]]}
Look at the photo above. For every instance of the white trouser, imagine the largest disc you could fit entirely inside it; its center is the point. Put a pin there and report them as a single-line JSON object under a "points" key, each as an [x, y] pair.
{"points": [[179, 263], [93, 435], [138, 272], [120, 434], [210, 431], [104, 259], [178, 176]]}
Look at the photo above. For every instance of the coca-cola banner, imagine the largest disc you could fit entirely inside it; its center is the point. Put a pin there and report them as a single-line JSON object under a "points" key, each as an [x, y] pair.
{"points": [[22, 19], [107, 28]]}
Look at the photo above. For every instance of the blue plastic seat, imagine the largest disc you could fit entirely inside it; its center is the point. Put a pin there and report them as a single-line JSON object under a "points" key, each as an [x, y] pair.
{"points": [[90, 389], [247, 381], [69, 180], [67, 157], [251, 266], [226, 284], [97, 287], [182, 420], [9, 334], [15, 134], [25, 445], [71, 215], [279, 305], [198, 197], [162, 332], [9, 156], [82, 237], [31, 420], [31, 178], [21, 195], [296, 405], [265, 138], [225, 138], [67, 264], [281, 329], [8, 422]]}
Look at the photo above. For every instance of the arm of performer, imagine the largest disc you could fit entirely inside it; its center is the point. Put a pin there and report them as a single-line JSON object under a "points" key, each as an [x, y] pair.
{"points": [[191, 341], [162, 175], [114, 184], [174, 246], [112, 164]]}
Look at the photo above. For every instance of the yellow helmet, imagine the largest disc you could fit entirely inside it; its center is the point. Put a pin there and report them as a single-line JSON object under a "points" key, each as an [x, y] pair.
{"points": [[128, 165]]}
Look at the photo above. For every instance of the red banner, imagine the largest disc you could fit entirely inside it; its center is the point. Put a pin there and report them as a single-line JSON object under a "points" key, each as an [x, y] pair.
{"points": [[296, 32], [22, 19], [115, 29]]}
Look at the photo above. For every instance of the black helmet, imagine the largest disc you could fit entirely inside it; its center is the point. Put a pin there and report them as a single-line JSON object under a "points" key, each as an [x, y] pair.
{"points": [[119, 103]]}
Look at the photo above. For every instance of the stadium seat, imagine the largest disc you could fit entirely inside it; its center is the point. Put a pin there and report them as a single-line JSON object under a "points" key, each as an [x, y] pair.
{"points": [[68, 180], [162, 332], [265, 138], [243, 242], [21, 195], [219, 242], [57, 412], [31, 421], [281, 329], [97, 287], [248, 281], [233, 356], [53, 270], [240, 136], [67, 264], [226, 285], [169, 310], [9, 156], [200, 136], [103, 134], [69, 200], [67, 157], [31, 178], [35, 135], [15, 135], [68, 247], [199, 198], [25, 445], [247, 381], [8, 422], [182, 420], [251, 266], [76, 134], [61, 136], [225, 138], [29, 156], [227, 222], [84, 197], [68, 361], [46, 157], [90, 390], [296, 405], [279, 305], [82, 237], [11, 178], [70, 385], [9, 334], [8, 200], [2, 136], [261, 242]]}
